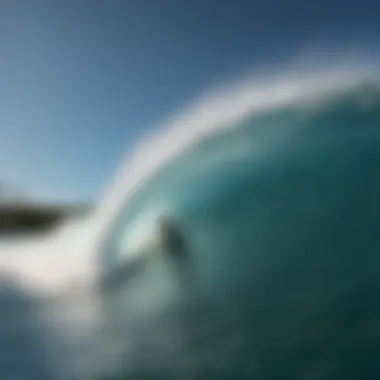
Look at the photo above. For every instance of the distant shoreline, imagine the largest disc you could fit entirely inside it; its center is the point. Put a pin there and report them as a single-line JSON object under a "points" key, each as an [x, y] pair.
{"points": [[17, 218]]}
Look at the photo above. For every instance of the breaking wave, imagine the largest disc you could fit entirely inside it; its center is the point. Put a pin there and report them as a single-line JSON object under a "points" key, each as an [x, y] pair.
{"points": [[269, 164]]}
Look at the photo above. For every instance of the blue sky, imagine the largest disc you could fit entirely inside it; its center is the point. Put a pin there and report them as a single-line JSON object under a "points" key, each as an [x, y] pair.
{"points": [[81, 80]]}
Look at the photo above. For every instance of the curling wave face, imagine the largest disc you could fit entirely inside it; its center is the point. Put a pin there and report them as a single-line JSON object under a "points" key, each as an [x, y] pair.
{"points": [[280, 210]]}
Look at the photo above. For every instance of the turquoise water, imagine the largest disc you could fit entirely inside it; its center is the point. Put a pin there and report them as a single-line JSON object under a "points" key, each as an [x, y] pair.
{"points": [[281, 214]]}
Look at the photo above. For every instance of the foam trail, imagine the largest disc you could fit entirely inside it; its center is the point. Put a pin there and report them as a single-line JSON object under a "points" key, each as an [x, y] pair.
{"points": [[49, 263], [58, 278]]}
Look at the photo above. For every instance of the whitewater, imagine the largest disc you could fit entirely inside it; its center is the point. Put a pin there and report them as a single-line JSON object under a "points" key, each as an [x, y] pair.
{"points": [[268, 163]]}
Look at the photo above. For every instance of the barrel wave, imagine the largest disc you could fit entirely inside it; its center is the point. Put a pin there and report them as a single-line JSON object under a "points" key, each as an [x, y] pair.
{"points": [[274, 187], [280, 210]]}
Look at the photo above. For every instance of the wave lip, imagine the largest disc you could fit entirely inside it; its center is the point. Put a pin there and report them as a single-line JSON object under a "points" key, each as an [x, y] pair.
{"points": [[219, 110]]}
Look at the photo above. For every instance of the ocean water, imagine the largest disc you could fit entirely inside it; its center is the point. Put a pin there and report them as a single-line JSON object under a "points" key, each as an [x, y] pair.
{"points": [[276, 190]]}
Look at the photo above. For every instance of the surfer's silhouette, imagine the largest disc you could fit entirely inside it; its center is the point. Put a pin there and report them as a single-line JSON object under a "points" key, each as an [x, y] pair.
{"points": [[172, 237], [175, 247]]}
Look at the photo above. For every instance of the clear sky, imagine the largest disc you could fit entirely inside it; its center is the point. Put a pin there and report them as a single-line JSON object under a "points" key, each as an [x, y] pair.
{"points": [[80, 80]]}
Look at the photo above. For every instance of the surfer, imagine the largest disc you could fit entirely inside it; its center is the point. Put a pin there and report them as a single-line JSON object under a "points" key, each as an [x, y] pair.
{"points": [[175, 246], [172, 237]]}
